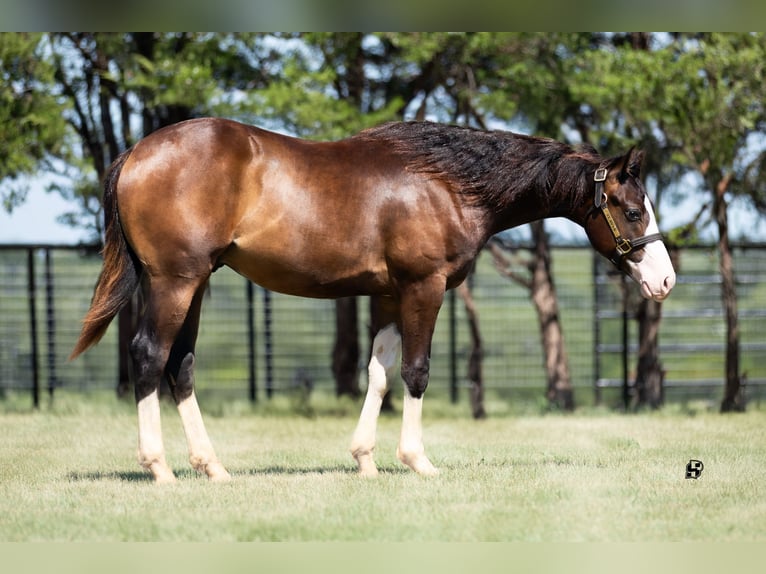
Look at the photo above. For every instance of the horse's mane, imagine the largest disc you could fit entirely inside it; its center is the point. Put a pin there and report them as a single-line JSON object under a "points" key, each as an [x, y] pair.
{"points": [[492, 167]]}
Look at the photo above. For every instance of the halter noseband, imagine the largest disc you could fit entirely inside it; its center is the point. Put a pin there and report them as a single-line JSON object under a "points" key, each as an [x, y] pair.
{"points": [[624, 246]]}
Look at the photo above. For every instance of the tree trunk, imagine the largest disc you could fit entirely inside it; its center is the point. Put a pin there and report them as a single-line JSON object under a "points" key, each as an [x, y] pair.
{"points": [[733, 399], [345, 355], [475, 375], [542, 291], [559, 388], [650, 375]]}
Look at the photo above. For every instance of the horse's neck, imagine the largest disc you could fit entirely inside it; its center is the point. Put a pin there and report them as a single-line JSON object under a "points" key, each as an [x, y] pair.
{"points": [[530, 205]]}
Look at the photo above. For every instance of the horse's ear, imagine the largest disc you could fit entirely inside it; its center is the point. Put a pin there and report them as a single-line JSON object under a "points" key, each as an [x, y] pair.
{"points": [[632, 165], [634, 162]]}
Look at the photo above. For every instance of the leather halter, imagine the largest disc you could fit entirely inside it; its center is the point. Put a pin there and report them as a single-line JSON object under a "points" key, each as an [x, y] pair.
{"points": [[624, 246]]}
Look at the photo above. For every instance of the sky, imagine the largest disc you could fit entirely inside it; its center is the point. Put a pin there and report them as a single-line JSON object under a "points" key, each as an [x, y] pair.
{"points": [[35, 221]]}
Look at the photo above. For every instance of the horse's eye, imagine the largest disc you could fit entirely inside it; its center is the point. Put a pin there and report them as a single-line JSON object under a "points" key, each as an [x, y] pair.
{"points": [[633, 214]]}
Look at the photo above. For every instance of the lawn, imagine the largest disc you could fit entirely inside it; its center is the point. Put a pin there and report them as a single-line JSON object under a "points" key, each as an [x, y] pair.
{"points": [[69, 474]]}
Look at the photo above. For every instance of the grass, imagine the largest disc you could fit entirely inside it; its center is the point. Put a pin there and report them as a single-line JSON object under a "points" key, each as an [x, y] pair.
{"points": [[69, 474]]}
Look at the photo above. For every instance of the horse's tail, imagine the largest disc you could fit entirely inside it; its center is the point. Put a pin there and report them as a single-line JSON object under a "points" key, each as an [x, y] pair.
{"points": [[120, 273]]}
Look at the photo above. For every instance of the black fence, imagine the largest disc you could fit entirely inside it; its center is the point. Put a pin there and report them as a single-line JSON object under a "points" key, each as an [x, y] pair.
{"points": [[693, 330], [253, 343]]}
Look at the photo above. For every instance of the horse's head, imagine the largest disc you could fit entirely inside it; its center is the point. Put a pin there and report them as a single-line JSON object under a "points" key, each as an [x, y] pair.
{"points": [[621, 225]]}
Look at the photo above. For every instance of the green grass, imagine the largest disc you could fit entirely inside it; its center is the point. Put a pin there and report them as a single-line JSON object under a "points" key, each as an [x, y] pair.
{"points": [[69, 473]]}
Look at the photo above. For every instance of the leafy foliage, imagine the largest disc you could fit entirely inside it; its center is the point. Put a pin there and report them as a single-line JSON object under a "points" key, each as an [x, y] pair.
{"points": [[31, 124]]}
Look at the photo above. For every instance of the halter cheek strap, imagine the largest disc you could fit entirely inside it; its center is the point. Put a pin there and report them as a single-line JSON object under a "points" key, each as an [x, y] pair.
{"points": [[624, 246]]}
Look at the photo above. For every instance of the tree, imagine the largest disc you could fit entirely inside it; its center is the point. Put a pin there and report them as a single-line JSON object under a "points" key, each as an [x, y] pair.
{"points": [[72, 101], [474, 373], [32, 128], [110, 80], [699, 98], [534, 274], [650, 374], [319, 85]]}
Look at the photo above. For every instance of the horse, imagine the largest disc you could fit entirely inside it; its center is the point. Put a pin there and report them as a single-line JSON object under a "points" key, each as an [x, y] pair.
{"points": [[398, 212]]}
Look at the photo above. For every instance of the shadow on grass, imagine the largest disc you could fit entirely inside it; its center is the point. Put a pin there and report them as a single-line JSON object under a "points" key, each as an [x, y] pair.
{"points": [[123, 476], [139, 476], [296, 471], [136, 476]]}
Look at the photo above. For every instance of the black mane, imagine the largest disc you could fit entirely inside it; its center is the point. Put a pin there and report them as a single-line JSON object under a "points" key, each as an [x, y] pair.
{"points": [[493, 167]]}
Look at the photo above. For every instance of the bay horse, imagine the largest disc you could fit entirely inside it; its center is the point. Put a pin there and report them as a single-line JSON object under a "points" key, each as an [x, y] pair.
{"points": [[398, 212]]}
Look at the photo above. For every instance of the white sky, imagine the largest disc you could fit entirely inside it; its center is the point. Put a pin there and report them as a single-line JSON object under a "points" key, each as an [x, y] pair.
{"points": [[35, 221]]}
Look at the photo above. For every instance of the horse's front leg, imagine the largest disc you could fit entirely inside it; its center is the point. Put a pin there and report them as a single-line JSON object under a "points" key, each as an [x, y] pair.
{"points": [[385, 354], [180, 372], [420, 307]]}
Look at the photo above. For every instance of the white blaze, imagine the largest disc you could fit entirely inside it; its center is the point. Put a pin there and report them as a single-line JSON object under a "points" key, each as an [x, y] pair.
{"points": [[654, 273]]}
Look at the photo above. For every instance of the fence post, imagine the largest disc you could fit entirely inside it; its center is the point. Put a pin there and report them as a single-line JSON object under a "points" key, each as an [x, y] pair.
{"points": [[625, 385], [453, 348], [268, 343], [251, 359], [31, 289], [596, 332], [50, 315]]}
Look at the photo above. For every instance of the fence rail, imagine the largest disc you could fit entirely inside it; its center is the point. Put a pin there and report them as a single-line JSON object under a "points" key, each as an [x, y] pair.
{"points": [[692, 332], [254, 343]]}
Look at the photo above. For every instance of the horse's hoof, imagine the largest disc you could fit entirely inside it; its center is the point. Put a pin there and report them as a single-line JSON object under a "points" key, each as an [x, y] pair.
{"points": [[419, 463], [162, 473], [367, 467], [216, 472], [221, 477]]}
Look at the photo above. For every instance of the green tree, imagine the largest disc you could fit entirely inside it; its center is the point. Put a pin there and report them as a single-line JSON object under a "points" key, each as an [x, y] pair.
{"points": [[697, 100], [724, 108], [32, 129], [71, 102]]}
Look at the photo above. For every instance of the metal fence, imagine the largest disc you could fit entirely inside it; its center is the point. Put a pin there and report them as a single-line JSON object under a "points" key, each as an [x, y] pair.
{"points": [[693, 330], [252, 341]]}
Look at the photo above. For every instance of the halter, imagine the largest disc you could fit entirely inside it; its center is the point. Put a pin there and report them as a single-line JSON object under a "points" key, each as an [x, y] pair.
{"points": [[624, 246]]}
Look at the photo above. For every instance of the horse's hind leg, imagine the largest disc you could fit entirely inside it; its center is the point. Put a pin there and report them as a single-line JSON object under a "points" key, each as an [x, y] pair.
{"points": [[385, 355], [168, 301], [180, 372]]}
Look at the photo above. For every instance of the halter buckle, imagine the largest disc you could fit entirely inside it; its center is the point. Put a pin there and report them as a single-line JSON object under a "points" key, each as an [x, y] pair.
{"points": [[624, 246], [599, 177]]}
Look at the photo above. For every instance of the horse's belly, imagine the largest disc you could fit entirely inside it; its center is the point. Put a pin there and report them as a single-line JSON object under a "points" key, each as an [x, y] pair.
{"points": [[320, 277]]}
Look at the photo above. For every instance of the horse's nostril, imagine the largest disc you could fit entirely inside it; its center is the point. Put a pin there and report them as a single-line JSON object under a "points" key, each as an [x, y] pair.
{"points": [[669, 282]]}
